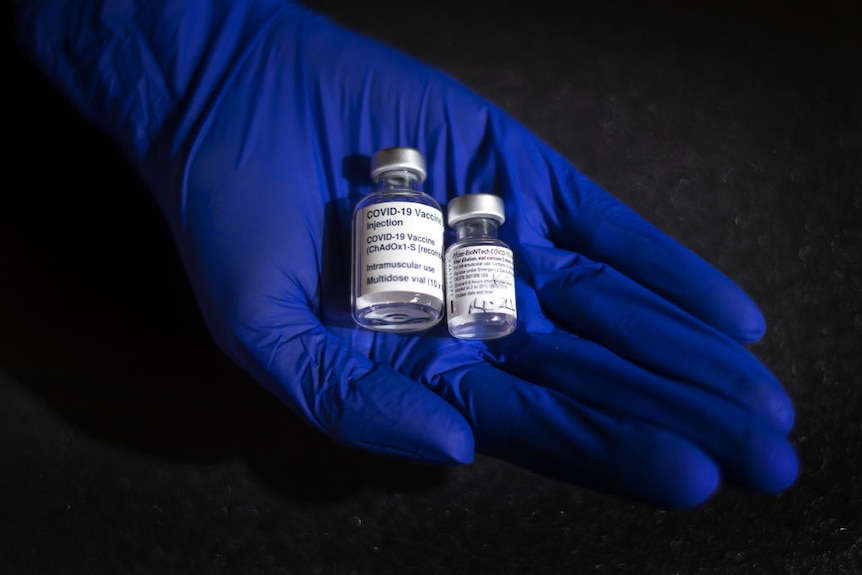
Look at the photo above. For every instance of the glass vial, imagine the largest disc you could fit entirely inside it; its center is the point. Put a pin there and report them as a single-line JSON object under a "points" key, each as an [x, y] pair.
{"points": [[397, 281], [480, 278]]}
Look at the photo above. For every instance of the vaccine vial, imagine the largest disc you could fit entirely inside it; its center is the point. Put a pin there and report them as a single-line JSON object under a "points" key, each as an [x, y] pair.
{"points": [[397, 273], [480, 278]]}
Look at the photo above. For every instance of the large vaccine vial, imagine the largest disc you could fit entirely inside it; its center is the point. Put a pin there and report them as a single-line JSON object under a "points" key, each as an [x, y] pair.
{"points": [[480, 278], [397, 279]]}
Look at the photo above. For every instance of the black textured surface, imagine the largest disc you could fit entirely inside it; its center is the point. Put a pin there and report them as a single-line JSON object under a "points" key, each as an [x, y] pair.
{"points": [[128, 444]]}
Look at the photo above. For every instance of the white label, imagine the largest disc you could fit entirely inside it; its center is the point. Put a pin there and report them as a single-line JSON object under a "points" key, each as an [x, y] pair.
{"points": [[480, 279], [401, 248]]}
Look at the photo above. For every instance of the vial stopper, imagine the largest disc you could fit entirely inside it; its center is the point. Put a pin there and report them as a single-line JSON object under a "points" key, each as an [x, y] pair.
{"points": [[476, 206], [389, 159]]}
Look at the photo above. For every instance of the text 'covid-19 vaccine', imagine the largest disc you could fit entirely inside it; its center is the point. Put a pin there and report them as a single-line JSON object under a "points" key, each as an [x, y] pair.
{"points": [[397, 273]]}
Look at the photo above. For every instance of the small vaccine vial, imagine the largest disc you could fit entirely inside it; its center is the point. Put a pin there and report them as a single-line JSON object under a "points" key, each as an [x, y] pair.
{"points": [[480, 277], [397, 273]]}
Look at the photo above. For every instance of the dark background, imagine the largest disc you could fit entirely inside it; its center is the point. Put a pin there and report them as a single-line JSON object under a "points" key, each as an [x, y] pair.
{"points": [[129, 444]]}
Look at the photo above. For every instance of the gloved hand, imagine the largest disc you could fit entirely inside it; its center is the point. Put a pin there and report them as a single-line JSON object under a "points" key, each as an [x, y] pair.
{"points": [[627, 371]]}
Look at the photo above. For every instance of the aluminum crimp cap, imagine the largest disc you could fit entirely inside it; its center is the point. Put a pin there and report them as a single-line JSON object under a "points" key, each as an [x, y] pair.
{"points": [[476, 206], [389, 159]]}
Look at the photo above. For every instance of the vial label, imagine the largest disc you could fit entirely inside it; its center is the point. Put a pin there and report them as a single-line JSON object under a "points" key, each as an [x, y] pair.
{"points": [[480, 279], [401, 248]]}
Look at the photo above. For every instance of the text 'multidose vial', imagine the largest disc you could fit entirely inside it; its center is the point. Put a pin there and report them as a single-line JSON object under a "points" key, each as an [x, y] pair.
{"points": [[397, 274]]}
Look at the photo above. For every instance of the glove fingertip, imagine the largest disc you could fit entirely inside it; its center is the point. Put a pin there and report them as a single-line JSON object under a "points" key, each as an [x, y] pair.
{"points": [[777, 465], [680, 476], [748, 326], [452, 444], [442, 441], [390, 414]]}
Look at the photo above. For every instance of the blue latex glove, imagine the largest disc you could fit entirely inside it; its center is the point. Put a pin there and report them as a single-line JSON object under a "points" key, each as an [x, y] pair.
{"points": [[627, 372]]}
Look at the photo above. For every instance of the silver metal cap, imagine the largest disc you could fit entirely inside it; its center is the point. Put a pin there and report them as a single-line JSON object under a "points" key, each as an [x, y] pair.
{"points": [[389, 159], [476, 206]]}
